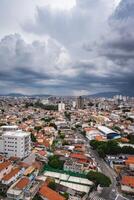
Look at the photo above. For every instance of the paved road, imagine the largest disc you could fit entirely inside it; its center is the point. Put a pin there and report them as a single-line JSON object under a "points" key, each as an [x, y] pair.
{"points": [[110, 192], [94, 196]]}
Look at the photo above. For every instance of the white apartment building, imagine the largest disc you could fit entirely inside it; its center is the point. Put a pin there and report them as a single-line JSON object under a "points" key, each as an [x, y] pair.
{"points": [[15, 143], [9, 128], [61, 107]]}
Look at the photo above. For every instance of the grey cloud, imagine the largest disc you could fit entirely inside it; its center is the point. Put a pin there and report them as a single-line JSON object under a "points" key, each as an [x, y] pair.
{"points": [[27, 66], [71, 61], [75, 26], [116, 48]]}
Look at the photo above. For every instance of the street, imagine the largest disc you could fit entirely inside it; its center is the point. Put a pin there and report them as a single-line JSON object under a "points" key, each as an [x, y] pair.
{"points": [[110, 193]]}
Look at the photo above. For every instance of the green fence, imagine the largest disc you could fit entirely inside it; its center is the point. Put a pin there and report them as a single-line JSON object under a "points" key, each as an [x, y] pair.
{"points": [[48, 168]]}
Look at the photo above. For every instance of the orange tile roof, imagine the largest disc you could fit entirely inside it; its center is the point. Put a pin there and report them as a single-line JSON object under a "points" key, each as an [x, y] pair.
{"points": [[79, 145], [124, 140], [99, 138], [50, 194], [130, 160], [11, 174], [89, 129], [78, 156], [46, 143], [128, 180], [23, 164], [130, 157], [22, 183], [4, 165]]}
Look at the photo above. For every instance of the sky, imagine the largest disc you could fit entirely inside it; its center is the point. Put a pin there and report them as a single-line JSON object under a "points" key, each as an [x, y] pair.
{"points": [[66, 47]]}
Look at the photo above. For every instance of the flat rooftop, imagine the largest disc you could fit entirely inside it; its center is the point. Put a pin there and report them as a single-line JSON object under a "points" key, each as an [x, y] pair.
{"points": [[16, 133]]}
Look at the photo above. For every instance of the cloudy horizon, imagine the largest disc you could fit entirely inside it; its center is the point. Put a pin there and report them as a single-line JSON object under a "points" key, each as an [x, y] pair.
{"points": [[73, 47]]}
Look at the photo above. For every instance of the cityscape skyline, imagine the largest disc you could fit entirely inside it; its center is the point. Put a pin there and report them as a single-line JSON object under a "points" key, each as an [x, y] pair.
{"points": [[66, 48]]}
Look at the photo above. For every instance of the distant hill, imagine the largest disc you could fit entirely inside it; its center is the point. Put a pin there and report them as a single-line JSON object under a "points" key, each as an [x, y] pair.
{"points": [[109, 94], [97, 95], [103, 94], [23, 95]]}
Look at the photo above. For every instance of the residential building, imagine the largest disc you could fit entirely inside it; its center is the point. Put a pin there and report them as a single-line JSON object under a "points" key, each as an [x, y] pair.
{"points": [[11, 176], [127, 184], [80, 102], [5, 168], [49, 194], [73, 166], [16, 191], [61, 107], [16, 143], [130, 162]]}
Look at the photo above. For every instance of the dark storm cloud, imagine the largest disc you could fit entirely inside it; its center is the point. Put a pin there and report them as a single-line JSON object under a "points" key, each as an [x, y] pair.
{"points": [[71, 60], [29, 64], [117, 48]]}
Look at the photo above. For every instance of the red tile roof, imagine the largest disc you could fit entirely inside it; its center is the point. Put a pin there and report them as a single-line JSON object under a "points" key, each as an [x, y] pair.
{"points": [[4, 165], [130, 160], [23, 164], [78, 156], [89, 129], [11, 174], [22, 183], [128, 180], [50, 194]]}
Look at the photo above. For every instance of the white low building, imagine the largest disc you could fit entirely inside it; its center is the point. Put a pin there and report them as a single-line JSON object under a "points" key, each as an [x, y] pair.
{"points": [[105, 130], [15, 143]]}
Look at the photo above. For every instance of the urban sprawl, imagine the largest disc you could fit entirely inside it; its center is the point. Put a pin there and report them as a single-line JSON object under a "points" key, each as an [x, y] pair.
{"points": [[66, 148]]}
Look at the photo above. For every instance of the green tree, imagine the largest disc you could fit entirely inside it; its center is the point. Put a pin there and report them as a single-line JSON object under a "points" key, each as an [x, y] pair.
{"points": [[101, 152], [95, 144], [37, 197], [131, 139], [66, 195], [53, 125], [62, 135], [99, 179], [112, 147], [127, 150], [55, 162], [67, 115], [83, 133], [33, 138], [52, 185], [37, 128]]}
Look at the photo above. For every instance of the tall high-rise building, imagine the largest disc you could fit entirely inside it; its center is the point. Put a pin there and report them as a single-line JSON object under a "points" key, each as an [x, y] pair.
{"points": [[80, 102], [61, 107]]}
